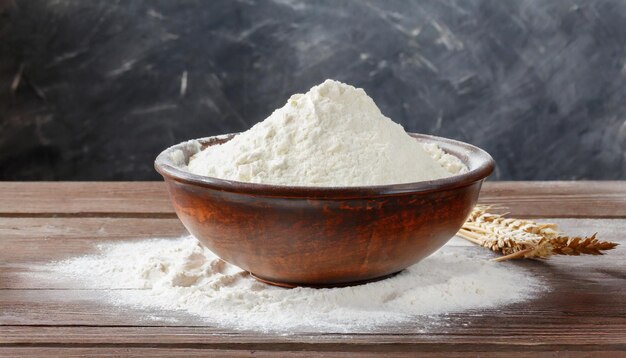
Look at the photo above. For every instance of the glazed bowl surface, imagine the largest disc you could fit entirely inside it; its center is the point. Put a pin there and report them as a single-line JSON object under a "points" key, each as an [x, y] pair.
{"points": [[322, 236]]}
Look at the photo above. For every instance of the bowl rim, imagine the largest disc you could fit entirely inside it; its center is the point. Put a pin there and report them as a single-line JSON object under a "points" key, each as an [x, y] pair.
{"points": [[479, 162]]}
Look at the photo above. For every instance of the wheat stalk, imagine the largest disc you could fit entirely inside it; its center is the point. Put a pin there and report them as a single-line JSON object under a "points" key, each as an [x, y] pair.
{"points": [[519, 238]]}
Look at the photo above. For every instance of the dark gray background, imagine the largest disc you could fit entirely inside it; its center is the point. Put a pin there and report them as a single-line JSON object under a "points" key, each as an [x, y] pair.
{"points": [[91, 90]]}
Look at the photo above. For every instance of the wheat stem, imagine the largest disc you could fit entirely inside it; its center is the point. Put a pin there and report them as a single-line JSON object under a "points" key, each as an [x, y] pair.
{"points": [[470, 236], [515, 255]]}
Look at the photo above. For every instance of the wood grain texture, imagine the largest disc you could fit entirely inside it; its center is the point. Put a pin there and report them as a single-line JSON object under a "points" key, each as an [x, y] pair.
{"points": [[298, 352], [206, 336], [530, 199], [581, 314], [580, 199], [85, 199]]}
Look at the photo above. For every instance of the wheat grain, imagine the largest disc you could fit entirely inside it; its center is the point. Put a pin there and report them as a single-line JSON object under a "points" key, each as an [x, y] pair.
{"points": [[520, 238], [481, 215], [564, 245], [542, 249]]}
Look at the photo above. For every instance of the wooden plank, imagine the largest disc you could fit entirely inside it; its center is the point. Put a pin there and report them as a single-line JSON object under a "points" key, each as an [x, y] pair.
{"points": [[520, 335], [592, 312], [125, 228], [80, 306], [84, 198], [206, 336], [91, 228], [35, 239], [391, 351], [580, 199], [531, 199]]}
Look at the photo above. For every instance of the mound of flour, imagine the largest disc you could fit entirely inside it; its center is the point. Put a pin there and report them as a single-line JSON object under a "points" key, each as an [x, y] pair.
{"points": [[180, 274], [333, 135]]}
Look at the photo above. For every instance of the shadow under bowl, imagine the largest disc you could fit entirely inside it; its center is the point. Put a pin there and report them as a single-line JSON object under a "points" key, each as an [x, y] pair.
{"points": [[323, 236]]}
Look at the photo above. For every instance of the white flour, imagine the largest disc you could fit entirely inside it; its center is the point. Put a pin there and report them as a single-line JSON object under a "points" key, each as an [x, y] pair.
{"points": [[179, 274], [334, 135]]}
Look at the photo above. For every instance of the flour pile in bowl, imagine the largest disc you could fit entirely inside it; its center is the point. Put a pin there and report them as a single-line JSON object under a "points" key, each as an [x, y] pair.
{"points": [[182, 275], [333, 135]]}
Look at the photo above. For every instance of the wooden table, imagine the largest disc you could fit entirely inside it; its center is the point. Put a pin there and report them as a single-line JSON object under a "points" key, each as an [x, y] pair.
{"points": [[582, 314]]}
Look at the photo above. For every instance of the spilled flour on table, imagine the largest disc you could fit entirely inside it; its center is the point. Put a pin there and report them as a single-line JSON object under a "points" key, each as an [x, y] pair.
{"points": [[180, 274]]}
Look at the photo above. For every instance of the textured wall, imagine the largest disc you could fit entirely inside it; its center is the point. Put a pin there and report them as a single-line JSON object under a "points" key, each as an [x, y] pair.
{"points": [[94, 89]]}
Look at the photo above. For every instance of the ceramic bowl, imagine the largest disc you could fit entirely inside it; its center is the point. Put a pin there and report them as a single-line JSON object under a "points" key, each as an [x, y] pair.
{"points": [[323, 236]]}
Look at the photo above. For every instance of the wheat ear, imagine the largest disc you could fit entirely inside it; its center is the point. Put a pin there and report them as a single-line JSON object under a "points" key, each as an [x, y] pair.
{"points": [[519, 238]]}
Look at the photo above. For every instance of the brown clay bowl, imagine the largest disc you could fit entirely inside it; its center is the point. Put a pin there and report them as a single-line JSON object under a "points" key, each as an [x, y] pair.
{"points": [[323, 236]]}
